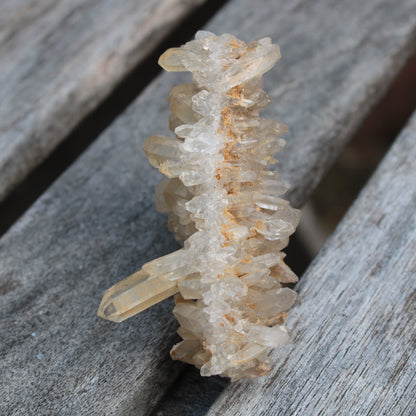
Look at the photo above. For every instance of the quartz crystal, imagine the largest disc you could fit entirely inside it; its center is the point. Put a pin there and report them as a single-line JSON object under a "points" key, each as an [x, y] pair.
{"points": [[224, 205]]}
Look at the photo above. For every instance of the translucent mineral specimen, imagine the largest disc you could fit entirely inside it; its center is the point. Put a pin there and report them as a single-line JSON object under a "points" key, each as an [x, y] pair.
{"points": [[224, 205]]}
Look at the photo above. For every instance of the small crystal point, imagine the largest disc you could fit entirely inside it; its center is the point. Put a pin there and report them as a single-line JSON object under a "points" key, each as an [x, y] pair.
{"points": [[171, 60], [133, 295]]}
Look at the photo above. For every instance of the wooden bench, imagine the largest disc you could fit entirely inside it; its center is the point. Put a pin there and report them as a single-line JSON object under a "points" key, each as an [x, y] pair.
{"points": [[352, 349]]}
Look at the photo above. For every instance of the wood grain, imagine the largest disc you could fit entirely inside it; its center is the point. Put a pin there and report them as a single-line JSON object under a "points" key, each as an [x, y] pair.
{"points": [[60, 60], [97, 223], [353, 326]]}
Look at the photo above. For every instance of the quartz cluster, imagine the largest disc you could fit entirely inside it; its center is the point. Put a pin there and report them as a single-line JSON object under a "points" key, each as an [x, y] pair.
{"points": [[224, 205]]}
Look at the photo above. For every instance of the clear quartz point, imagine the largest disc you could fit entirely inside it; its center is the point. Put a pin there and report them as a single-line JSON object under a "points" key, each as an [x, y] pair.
{"points": [[225, 206], [133, 295]]}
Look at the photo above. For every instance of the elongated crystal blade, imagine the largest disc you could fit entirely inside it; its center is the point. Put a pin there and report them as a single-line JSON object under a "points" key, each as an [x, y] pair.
{"points": [[133, 295]]}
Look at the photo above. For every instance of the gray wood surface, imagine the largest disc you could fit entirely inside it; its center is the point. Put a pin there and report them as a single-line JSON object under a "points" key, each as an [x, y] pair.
{"points": [[97, 223], [353, 325], [59, 59]]}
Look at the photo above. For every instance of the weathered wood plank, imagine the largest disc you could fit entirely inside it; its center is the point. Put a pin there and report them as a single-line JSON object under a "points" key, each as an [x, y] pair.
{"points": [[97, 223], [353, 328], [59, 60]]}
